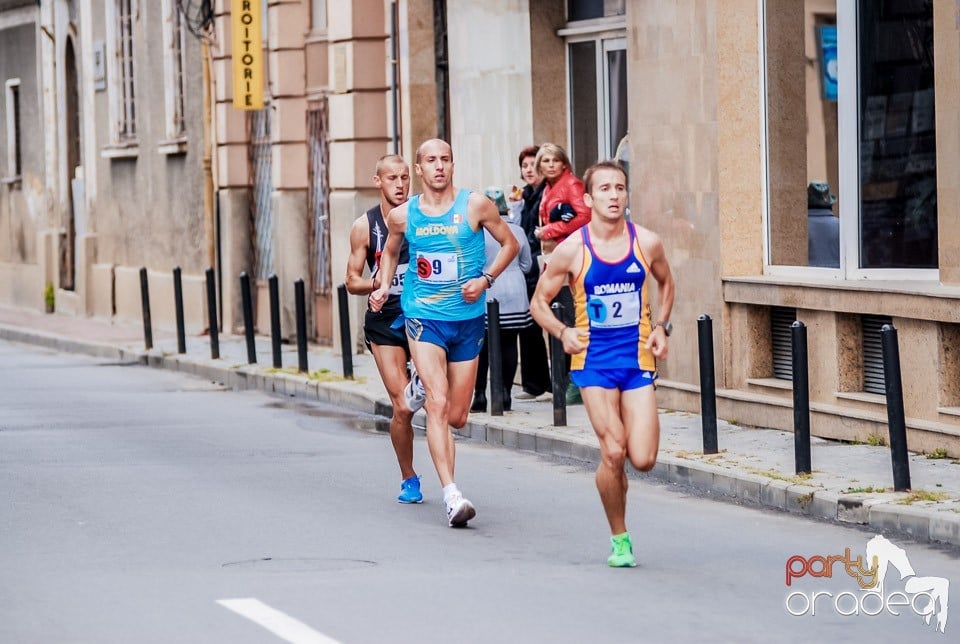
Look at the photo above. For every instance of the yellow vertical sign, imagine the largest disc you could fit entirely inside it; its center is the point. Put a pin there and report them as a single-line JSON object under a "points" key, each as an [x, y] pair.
{"points": [[246, 24]]}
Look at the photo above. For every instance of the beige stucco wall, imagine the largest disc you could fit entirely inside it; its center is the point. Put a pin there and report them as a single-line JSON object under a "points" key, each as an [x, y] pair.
{"points": [[490, 91], [674, 187]]}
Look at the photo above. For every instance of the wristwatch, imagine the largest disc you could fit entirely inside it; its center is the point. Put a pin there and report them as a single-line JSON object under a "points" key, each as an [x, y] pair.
{"points": [[490, 279], [667, 326]]}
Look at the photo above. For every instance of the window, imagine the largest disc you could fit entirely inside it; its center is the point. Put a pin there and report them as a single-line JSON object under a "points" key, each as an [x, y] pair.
{"points": [[597, 65], [781, 335], [318, 16], [850, 137], [872, 349], [174, 41], [14, 147], [122, 82], [587, 9]]}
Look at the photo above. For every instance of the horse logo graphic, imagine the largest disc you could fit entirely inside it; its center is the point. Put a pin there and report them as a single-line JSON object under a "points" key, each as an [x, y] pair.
{"points": [[926, 597], [883, 554]]}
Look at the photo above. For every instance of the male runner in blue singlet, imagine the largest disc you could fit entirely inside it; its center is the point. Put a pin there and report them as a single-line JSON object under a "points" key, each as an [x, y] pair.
{"points": [[443, 299], [613, 343], [382, 330]]}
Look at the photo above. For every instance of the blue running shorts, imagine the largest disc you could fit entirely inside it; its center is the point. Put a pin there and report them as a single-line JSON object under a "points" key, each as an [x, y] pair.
{"points": [[461, 339], [622, 379]]}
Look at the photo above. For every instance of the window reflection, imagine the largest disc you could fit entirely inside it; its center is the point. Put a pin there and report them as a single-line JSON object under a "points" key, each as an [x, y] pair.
{"points": [[898, 192]]}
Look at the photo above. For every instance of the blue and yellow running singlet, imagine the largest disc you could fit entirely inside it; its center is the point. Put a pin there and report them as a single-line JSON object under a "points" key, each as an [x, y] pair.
{"points": [[610, 301]]}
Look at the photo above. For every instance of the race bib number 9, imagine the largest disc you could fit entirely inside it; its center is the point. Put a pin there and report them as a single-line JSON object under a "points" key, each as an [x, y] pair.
{"points": [[614, 310], [437, 268], [396, 286]]}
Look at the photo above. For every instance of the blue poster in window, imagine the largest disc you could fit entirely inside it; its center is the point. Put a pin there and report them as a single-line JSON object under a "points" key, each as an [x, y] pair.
{"points": [[828, 62]]}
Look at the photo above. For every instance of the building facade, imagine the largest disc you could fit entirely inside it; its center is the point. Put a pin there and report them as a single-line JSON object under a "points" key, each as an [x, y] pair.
{"points": [[724, 112]]}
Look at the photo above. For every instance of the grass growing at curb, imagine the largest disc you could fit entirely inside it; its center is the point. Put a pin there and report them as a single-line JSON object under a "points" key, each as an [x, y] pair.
{"points": [[866, 490], [876, 440], [319, 375], [795, 479], [940, 452], [924, 495]]}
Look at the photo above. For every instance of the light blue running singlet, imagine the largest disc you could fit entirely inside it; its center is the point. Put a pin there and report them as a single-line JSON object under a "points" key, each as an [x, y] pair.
{"points": [[444, 254]]}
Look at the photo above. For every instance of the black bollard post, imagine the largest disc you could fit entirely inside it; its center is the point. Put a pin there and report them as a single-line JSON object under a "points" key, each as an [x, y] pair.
{"points": [[145, 302], [274, 286], [178, 306], [557, 375], [345, 348], [248, 318], [708, 385], [895, 415], [301, 304], [495, 358], [212, 314], [801, 397]]}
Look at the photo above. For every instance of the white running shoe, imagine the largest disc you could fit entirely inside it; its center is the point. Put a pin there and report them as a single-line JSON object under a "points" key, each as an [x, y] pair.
{"points": [[459, 511], [414, 395]]}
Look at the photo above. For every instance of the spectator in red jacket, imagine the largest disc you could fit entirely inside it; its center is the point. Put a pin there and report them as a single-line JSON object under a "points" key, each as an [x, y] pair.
{"points": [[562, 210]]}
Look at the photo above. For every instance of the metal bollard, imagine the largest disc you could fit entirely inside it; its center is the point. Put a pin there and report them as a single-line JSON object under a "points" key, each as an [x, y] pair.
{"points": [[248, 318], [708, 385], [895, 415], [178, 306], [274, 287], [212, 314], [495, 358], [345, 348], [801, 397], [145, 302], [300, 301], [557, 375]]}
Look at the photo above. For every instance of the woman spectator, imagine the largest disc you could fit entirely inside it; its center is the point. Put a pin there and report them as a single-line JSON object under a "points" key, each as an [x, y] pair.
{"points": [[562, 212], [534, 368], [510, 290]]}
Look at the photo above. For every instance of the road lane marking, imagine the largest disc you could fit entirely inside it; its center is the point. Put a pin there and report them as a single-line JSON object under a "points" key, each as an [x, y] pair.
{"points": [[280, 624]]}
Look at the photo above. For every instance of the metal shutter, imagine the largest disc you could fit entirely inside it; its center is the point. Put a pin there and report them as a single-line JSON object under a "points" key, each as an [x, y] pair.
{"points": [[780, 320], [870, 325]]}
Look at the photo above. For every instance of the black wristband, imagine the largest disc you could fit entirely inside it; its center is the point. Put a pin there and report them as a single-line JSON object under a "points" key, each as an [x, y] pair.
{"points": [[490, 279]]}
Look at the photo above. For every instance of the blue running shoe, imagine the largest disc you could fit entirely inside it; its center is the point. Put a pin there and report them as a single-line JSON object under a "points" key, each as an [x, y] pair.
{"points": [[410, 491]]}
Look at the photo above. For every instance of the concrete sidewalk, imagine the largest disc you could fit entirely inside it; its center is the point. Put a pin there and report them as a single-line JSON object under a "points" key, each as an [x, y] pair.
{"points": [[850, 483]]}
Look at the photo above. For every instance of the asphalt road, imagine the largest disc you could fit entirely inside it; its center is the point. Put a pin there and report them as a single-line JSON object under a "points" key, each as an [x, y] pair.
{"points": [[140, 505]]}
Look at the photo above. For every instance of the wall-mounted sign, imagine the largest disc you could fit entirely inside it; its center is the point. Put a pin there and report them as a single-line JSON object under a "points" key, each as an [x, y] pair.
{"points": [[828, 62], [246, 24], [99, 66]]}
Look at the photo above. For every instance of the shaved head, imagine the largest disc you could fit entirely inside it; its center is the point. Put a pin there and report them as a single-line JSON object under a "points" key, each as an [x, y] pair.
{"points": [[433, 142]]}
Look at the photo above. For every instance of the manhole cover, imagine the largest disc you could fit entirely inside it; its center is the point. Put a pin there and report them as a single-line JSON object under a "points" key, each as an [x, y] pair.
{"points": [[301, 564]]}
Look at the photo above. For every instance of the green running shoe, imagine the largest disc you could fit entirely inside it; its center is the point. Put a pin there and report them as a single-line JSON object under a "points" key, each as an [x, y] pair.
{"points": [[621, 552]]}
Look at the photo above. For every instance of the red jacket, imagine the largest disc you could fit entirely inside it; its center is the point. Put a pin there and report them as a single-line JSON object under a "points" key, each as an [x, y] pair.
{"points": [[568, 189]]}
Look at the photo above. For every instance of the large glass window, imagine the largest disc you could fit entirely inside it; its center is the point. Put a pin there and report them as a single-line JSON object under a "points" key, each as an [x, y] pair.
{"points": [[598, 99], [851, 171], [587, 9]]}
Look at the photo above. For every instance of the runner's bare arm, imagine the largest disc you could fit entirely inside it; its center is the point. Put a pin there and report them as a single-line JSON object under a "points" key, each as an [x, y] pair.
{"points": [[356, 283], [396, 228], [482, 211], [563, 261], [652, 247]]}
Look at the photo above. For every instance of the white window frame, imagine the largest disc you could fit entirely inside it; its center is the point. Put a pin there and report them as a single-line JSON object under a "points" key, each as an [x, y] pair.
{"points": [[848, 152], [14, 128], [123, 115], [318, 16], [174, 70], [609, 34]]}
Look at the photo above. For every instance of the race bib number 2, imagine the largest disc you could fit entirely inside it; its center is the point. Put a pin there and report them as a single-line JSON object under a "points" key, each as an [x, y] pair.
{"points": [[437, 268], [614, 310]]}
